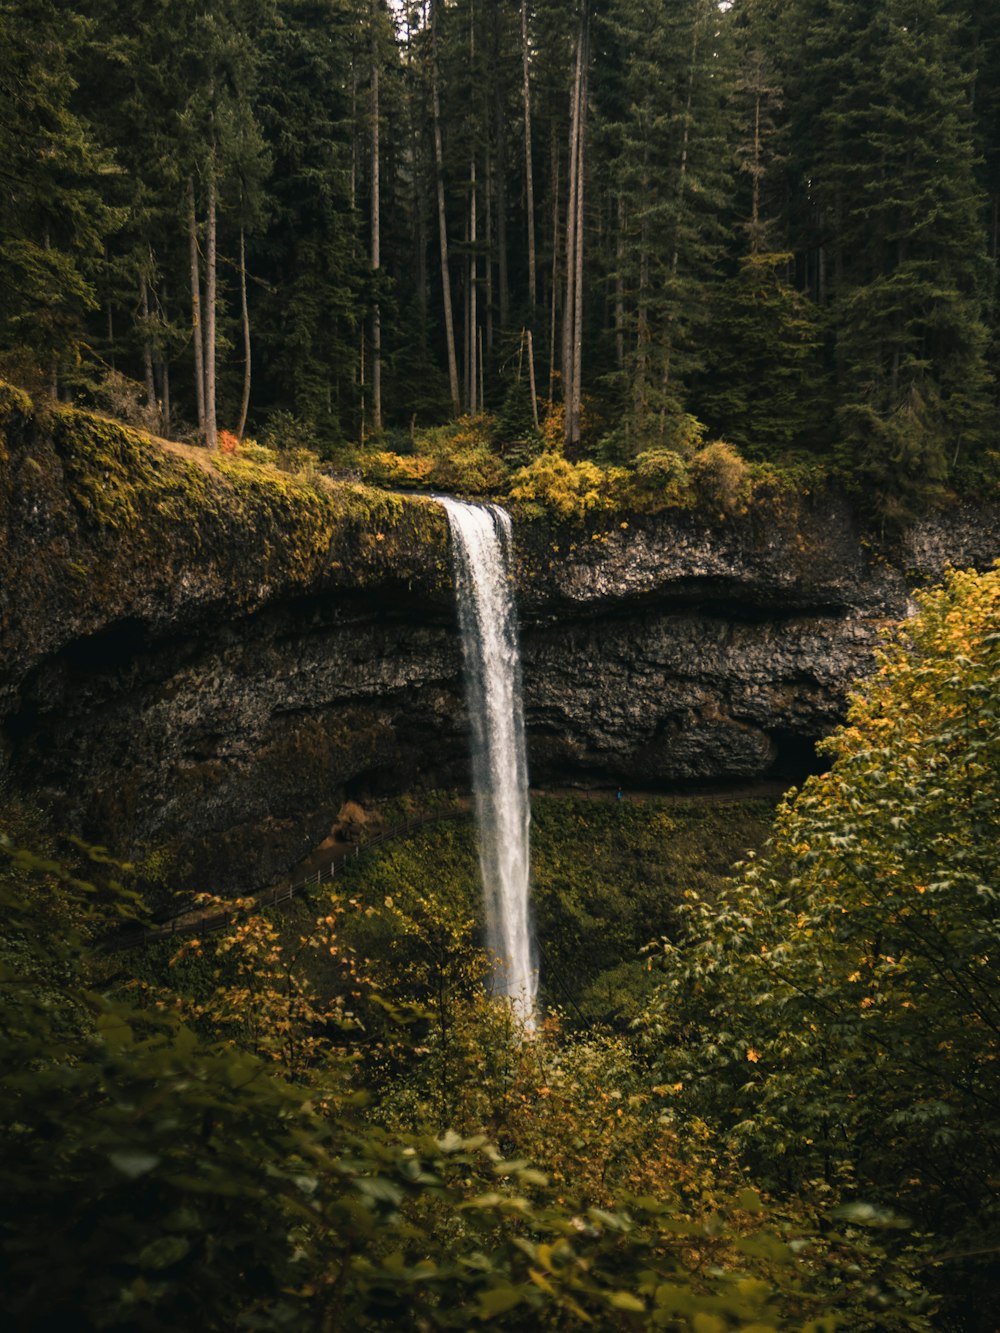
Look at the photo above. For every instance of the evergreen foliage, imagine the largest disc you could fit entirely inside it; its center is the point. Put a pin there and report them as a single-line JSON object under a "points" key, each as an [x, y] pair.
{"points": [[787, 220]]}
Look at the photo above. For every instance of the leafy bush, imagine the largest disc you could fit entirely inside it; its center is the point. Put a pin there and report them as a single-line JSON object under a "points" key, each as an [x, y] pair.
{"points": [[125, 400], [660, 476], [567, 491], [156, 1178], [721, 477], [836, 1013], [457, 458], [258, 453]]}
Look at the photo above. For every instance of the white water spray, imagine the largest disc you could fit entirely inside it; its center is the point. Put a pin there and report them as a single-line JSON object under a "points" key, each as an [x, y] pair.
{"points": [[481, 542]]}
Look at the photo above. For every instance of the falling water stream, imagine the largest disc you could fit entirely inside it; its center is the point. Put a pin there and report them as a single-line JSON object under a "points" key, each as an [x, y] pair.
{"points": [[481, 542]]}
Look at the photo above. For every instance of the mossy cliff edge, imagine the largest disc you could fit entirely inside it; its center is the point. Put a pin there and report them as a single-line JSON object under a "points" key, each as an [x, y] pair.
{"points": [[212, 655], [100, 524]]}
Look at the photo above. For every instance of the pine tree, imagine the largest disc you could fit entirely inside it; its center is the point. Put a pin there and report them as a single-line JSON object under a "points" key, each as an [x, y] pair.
{"points": [[54, 214], [313, 257], [885, 143], [764, 388], [672, 178]]}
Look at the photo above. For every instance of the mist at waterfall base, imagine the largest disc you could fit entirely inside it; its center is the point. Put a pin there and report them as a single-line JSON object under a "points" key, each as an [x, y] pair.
{"points": [[481, 538]]}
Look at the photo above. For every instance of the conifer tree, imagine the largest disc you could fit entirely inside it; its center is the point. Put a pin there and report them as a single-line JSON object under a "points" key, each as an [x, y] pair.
{"points": [[886, 145], [673, 177], [54, 214]]}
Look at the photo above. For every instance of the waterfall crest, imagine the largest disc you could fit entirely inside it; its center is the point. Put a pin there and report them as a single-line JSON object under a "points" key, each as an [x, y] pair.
{"points": [[481, 542]]}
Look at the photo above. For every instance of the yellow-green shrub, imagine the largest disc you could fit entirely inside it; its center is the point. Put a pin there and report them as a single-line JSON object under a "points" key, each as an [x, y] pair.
{"points": [[552, 484], [721, 477]]}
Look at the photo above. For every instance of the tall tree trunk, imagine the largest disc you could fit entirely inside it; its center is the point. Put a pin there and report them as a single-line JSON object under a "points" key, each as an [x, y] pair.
{"points": [[354, 134], [503, 267], [245, 317], [418, 200], [529, 179], [211, 274], [111, 315], [376, 235], [581, 180], [362, 383], [531, 380], [686, 135], [488, 238], [473, 285], [473, 241], [568, 325], [449, 320], [573, 310], [165, 369], [639, 389], [755, 176], [467, 355], [196, 331], [482, 373], [554, 294], [620, 286], [147, 344]]}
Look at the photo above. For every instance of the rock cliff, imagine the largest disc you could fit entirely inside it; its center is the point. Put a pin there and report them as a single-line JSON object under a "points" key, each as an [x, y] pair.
{"points": [[212, 657]]}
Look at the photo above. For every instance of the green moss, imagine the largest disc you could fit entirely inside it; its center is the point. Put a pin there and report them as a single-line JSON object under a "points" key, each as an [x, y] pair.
{"points": [[119, 478], [607, 879], [155, 510]]}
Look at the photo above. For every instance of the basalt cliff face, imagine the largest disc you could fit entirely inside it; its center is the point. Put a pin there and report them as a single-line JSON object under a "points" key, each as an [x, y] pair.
{"points": [[212, 658]]}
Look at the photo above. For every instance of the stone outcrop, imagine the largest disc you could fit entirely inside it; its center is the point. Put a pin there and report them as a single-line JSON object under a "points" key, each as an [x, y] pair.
{"points": [[213, 657]]}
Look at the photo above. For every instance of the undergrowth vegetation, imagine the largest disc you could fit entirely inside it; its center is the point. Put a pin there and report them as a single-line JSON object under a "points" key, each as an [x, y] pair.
{"points": [[535, 476], [322, 1122]]}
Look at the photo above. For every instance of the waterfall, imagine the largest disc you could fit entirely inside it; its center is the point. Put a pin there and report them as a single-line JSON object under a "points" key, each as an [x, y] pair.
{"points": [[481, 541]]}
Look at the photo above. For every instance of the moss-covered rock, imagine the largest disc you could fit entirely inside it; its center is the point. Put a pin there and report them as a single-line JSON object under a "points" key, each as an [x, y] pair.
{"points": [[100, 523], [212, 654]]}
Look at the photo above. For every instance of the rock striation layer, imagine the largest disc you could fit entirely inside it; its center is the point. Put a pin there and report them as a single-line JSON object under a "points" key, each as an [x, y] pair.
{"points": [[212, 658]]}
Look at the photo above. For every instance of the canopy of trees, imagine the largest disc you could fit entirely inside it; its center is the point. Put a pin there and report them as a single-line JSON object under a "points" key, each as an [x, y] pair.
{"points": [[337, 218]]}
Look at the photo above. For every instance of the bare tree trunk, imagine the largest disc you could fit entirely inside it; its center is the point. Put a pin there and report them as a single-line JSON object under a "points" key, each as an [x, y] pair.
{"points": [[418, 199], [501, 179], [553, 320], [211, 266], [467, 367], [354, 134], [473, 243], [245, 317], [147, 344], [488, 241], [529, 179], [482, 374], [581, 180], [473, 287], [620, 287], [376, 236], [573, 311], [531, 380], [362, 383], [686, 136], [111, 318], [571, 213], [449, 321], [639, 396], [196, 331], [165, 369]]}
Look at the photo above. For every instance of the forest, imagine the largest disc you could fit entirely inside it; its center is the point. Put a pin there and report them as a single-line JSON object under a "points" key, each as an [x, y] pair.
{"points": [[607, 229], [780, 1115], [705, 293]]}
